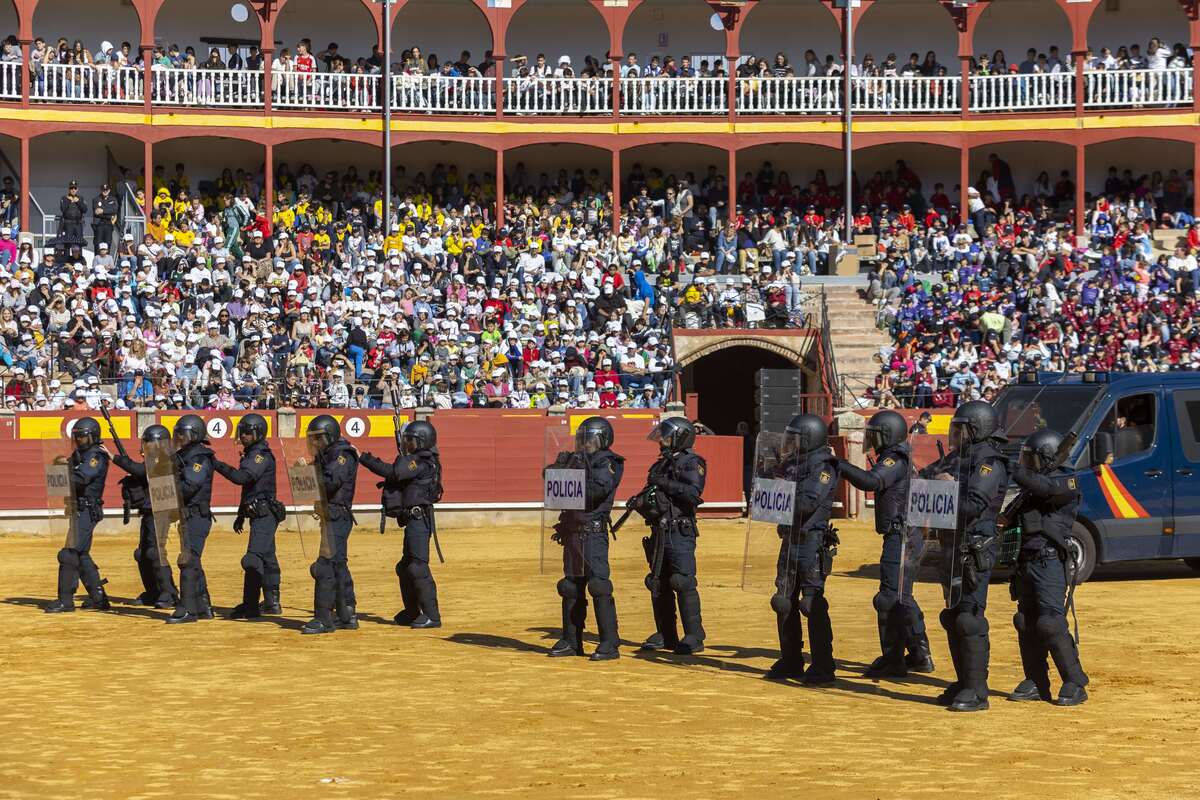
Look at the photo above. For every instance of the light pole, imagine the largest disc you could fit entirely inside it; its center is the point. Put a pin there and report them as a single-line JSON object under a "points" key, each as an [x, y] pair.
{"points": [[847, 7], [386, 81]]}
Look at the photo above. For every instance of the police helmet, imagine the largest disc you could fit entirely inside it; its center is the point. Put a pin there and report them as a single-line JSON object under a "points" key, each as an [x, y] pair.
{"points": [[252, 427], [190, 428], [323, 431], [973, 422], [674, 434], [1039, 450], [885, 429], [419, 435], [594, 434], [86, 432], [156, 433], [808, 432]]}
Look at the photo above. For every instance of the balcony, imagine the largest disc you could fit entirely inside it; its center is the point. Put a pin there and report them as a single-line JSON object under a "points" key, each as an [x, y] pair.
{"points": [[583, 97]]}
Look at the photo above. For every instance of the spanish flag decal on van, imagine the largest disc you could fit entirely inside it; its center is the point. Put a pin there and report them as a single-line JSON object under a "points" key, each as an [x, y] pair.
{"points": [[1120, 502]]}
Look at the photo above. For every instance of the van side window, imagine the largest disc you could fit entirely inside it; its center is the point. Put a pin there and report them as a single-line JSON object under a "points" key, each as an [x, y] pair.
{"points": [[1132, 423], [1187, 409]]}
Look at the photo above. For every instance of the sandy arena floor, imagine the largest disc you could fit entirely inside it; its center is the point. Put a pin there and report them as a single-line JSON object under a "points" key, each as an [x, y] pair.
{"points": [[119, 705]]}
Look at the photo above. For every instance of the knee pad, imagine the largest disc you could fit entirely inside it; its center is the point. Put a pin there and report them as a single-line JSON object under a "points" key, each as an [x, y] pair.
{"points": [[1020, 623], [653, 583], [812, 602], [972, 625], [400, 568], [884, 602], [1051, 626], [781, 604], [417, 570], [682, 583], [252, 563], [137, 554], [947, 617], [151, 555], [68, 558], [568, 589], [600, 587], [321, 569]]}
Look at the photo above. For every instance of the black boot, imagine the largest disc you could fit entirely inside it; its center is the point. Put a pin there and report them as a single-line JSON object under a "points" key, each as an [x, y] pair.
{"points": [[919, 659], [949, 620], [59, 607], [181, 616], [783, 670], [891, 663], [693, 626], [574, 615], [820, 636], [974, 694], [408, 596], [606, 628], [149, 575], [347, 618], [1071, 694], [662, 605], [322, 621], [97, 599], [427, 599], [653, 642], [270, 603], [1029, 689], [168, 595], [248, 608]]}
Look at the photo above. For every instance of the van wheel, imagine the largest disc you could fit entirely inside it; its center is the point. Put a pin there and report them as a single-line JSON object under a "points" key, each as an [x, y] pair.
{"points": [[1082, 548], [1194, 563]]}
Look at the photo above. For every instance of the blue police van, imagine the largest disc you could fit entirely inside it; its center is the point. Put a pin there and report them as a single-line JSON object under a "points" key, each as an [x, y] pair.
{"points": [[1136, 458]]}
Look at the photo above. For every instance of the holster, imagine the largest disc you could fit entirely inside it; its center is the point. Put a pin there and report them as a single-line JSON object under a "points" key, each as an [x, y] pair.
{"points": [[829, 549]]}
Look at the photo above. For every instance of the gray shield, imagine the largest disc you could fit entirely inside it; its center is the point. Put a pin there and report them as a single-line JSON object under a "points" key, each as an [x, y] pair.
{"points": [[563, 474], [308, 515], [163, 480], [772, 504], [58, 465]]}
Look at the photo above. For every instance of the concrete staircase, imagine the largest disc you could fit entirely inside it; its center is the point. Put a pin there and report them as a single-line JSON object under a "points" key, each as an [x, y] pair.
{"points": [[855, 337]]}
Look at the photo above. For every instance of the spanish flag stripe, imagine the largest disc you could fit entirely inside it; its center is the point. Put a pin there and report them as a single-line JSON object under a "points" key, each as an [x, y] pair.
{"points": [[1120, 502], [1129, 498]]}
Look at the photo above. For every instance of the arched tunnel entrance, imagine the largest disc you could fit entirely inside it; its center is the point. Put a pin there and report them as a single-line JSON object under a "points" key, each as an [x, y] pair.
{"points": [[724, 381]]}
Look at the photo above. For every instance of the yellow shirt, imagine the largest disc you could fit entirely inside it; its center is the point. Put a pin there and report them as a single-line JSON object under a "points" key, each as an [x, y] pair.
{"points": [[393, 242]]}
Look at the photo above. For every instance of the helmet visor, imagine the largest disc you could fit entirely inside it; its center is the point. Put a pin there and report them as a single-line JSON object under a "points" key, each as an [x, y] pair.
{"points": [[960, 434], [1031, 459], [587, 440], [874, 439]]}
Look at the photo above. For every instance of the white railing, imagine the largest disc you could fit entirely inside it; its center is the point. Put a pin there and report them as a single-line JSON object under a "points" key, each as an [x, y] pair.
{"points": [[674, 95], [557, 96], [10, 80], [326, 91], [789, 95], [905, 95], [440, 94], [86, 83], [224, 88], [1022, 92], [1134, 88]]}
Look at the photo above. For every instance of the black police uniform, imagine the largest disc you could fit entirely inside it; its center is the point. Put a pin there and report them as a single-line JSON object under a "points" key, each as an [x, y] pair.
{"points": [[678, 479], [805, 561], [338, 466], [104, 210], [411, 485], [157, 580], [983, 473], [194, 463], [256, 475], [89, 471], [584, 536], [1045, 510], [901, 622]]}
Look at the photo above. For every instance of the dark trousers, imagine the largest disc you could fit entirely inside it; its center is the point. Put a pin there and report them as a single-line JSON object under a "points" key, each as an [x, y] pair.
{"points": [[334, 583], [586, 571], [800, 592], [157, 580], [671, 553], [964, 621], [901, 622], [417, 587], [260, 562], [75, 563], [1039, 585], [193, 584]]}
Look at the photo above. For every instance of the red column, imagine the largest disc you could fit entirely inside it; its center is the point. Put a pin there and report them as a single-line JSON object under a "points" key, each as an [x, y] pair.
{"points": [[26, 44], [499, 83], [269, 184], [964, 181], [268, 56], [24, 178], [1079, 57], [964, 91], [147, 77], [732, 180], [499, 188], [1194, 27], [1080, 182], [616, 190], [148, 166], [616, 85], [1196, 167], [731, 61]]}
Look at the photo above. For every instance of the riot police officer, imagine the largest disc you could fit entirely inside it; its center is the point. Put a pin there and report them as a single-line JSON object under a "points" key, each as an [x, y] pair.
{"points": [[901, 623], [89, 470], [584, 536], [970, 553], [337, 466], [157, 580], [411, 485], [256, 475], [194, 462], [806, 555], [1045, 512], [105, 209], [674, 486]]}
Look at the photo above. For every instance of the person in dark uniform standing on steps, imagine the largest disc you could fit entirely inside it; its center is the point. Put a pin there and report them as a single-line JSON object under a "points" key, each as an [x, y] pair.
{"points": [[88, 472], [194, 462], [1045, 511], [105, 210], [806, 552], [256, 475], [901, 623], [584, 537], [411, 485], [968, 557], [337, 467], [157, 580], [676, 482]]}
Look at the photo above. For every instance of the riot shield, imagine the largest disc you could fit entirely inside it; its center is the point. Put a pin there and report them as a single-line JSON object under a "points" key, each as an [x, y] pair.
{"points": [[307, 513], [60, 491], [934, 509], [772, 503], [165, 505], [564, 484]]}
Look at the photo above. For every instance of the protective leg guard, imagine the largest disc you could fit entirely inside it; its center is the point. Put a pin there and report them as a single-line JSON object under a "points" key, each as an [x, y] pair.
{"points": [[919, 658], [68, 577], [427, 599], [574, 613], [1036, 685], [168, 594], [324, 595], [949, 620], [976, 649], [89, 574], [251, 585], [270, 591], [891, 638], [206, 609], [684, 587], [408, 595], [820, 635], [791, 639], [606, 618], [189, 593], [662, 604], [147, 564], [1053, 631]]}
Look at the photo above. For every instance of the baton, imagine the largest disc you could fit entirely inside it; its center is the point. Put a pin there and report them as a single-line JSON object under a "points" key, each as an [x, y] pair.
{"points": [[113, 431]]}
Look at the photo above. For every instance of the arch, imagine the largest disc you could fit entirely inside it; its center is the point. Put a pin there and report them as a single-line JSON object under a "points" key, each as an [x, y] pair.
{"points": [[347, 23], [913, 26], [573, 28], [1025, 160], [87, 161], [1131, 23], [187, 23], [413, 159], [722, 373], [91, 22], [442, 27], [931, 163], [1009, 26], [10, 18], [538, 168], [772, 25], [800, 164], [702, 162], [792, 354], [685, 24], [1141, 156]]}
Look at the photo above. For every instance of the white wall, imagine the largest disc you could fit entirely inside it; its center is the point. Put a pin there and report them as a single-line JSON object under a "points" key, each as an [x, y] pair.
{"points": [[1014, 26], [685, 23], [90, 21], [185, 22], [444, 27], [800, 162], [1142, 156], [790, 26], [675, 158], [557, 28], [907, 26], [1136, 21], [1027, 160], [60, 158], [346, 22]]}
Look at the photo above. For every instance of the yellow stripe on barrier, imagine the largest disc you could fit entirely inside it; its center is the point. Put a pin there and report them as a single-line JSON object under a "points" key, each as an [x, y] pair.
{"points": [[29, 427]]}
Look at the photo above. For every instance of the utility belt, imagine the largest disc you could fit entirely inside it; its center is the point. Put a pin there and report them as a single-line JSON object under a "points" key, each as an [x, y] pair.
{"points": [[93, 506], [407, 515], [262, 506], [1047, 553], [978, 553], [682, 526], [335, 511], [200, 510]]}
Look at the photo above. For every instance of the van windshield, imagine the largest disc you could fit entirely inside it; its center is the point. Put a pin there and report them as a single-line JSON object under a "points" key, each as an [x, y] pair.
{"points": [[1025, 409]]}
